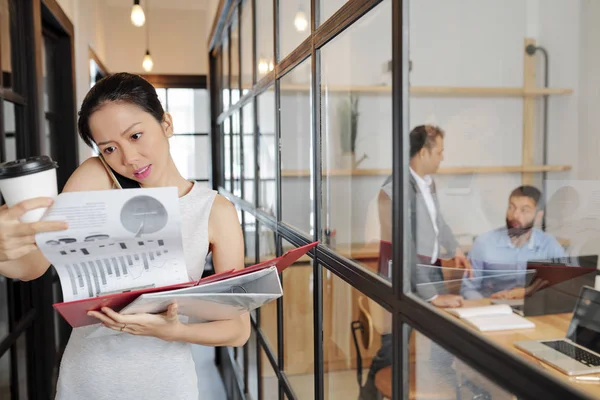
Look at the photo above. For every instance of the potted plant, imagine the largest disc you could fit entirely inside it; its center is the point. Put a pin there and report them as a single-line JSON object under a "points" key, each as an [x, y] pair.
{"points": [[348, 125]]}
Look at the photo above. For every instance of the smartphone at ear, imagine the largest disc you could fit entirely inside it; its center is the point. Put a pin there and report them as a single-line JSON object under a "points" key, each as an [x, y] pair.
{"points": [[110, 171]]}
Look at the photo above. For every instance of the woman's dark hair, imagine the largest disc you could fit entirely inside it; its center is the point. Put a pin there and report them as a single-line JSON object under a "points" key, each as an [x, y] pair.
{"points": [[120, 87]]}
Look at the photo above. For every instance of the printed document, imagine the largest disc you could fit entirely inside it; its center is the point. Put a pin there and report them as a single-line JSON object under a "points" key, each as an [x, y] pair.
{"points": [[117, 241]]}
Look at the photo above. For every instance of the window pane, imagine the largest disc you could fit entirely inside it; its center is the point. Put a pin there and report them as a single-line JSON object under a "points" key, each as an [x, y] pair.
{"points": [[537, 213], [235, 58], [226, 153], [267, 148], [3, 308], [5, 36], [253, 372], [246, 44], [190, 110], [249, 229], [297, 149], [225, 77], [351, 319], [294, 25], [162, 97], [329, 7], [21, 348], [264, 37], [191, 155], [434, 372], [298, 331], [5, 392], [269, 379], [248, 138], [268, 312], [10, 130], [356, 128], [237, 154]]}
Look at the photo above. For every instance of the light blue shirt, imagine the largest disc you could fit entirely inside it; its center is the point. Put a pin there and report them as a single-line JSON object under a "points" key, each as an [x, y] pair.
{"points": [[500, 265]]}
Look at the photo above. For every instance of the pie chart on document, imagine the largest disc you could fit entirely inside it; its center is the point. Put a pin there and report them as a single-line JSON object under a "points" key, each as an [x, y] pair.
{"points": [[143, 215]]}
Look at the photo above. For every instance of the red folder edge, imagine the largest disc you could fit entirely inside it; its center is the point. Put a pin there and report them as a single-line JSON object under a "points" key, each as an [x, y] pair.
{"points": [[75, 312]]}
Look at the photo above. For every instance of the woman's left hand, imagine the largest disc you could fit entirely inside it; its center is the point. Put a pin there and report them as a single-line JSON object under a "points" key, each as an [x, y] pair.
{"points": [[162, 326]]}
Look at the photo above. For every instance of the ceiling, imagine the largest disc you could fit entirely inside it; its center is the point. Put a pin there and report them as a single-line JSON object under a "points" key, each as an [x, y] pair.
{"points": [[154, 4]]}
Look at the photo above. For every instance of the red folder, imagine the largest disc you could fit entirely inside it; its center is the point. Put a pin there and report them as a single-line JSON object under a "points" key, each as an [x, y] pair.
{"points": [[75, 312]]}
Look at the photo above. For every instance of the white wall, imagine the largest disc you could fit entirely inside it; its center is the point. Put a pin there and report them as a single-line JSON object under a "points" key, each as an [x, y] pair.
{"points": [[178, 37], [87, 20], [178, 43], [479, 43]]}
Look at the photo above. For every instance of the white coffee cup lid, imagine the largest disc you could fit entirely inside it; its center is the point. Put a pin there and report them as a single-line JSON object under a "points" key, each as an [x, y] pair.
{"points": [[26, 166]]}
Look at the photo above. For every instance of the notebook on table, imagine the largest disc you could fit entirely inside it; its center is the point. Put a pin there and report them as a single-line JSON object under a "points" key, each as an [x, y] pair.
{"points": [[497, 317]]}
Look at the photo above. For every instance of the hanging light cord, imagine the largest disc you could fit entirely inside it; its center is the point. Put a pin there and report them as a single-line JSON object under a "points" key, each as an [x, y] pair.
{"points": [[148, 26]]}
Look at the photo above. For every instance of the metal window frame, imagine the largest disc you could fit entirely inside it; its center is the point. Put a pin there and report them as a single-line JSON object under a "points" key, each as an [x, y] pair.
{"points": [[509, 371]]}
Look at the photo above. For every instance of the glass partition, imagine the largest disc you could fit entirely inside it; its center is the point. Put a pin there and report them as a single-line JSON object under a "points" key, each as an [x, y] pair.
{"points": [[294, 25], [356, 131], [483, 112], [499, 179], [265, 53], [246, 45], [267, 149], [297, 193]]}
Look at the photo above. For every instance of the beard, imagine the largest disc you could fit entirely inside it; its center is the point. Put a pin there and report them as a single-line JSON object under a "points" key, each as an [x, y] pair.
{"points": [[516, 230]]}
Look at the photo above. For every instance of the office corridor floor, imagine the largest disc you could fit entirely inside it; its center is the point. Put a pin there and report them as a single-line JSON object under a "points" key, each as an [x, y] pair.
{"points": [[210, 383]]}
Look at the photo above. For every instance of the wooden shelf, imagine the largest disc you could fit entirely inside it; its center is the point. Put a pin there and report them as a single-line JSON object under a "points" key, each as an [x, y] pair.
{"points": [[545, 91], [504, 169], [441, 171], [439, 90]]}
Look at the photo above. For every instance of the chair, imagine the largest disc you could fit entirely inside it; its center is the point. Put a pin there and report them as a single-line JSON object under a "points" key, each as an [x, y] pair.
{"points": [[364, 324]]}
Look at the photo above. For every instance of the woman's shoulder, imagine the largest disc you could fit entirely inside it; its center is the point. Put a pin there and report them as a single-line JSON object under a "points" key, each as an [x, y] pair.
{"points": [[221, 205], [90, 175], [223, 221]]}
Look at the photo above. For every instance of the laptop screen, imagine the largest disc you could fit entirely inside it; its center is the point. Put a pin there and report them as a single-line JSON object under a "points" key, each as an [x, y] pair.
{"points": [[585, 324]]}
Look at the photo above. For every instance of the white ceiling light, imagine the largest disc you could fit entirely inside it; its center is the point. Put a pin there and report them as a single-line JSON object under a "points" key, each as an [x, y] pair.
{"points": [[300, 21], [137, 14]]}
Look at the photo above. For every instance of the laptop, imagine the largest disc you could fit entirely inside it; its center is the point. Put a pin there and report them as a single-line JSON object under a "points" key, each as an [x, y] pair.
{"points": [[579, 352]]}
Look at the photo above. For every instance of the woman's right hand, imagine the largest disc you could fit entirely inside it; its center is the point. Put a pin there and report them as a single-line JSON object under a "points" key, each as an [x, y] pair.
{"points": [[17, 238]]}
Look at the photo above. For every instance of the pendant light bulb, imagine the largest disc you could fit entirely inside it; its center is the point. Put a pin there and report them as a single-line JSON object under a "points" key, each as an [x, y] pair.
{"points": [[300, 21], [138, 18], [263, 66], [147, 63]]}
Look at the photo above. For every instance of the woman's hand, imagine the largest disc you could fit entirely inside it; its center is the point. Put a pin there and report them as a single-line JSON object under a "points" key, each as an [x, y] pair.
{"points": [[17, 239], [162, 326]]}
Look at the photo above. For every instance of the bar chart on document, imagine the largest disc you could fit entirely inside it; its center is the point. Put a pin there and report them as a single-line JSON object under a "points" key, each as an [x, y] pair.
{"points": [[117, 241], [97, 275]]}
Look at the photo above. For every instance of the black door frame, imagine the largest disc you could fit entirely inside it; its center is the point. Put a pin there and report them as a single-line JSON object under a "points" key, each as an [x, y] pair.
{"points": [[30, 303]]}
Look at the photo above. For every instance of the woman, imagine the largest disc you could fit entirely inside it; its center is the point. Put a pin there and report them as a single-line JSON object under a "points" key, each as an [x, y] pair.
{"points": [[122, 117]]}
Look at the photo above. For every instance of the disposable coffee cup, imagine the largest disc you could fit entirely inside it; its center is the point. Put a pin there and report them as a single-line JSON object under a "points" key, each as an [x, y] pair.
{"points": [[28, 178]]}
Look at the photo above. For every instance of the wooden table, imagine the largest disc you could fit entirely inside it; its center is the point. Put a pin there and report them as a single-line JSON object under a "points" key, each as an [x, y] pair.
{"points": [[546, 327]]}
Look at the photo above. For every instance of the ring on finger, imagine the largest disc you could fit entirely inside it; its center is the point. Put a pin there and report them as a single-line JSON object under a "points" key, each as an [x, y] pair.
{"points": [[123, 327]]}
